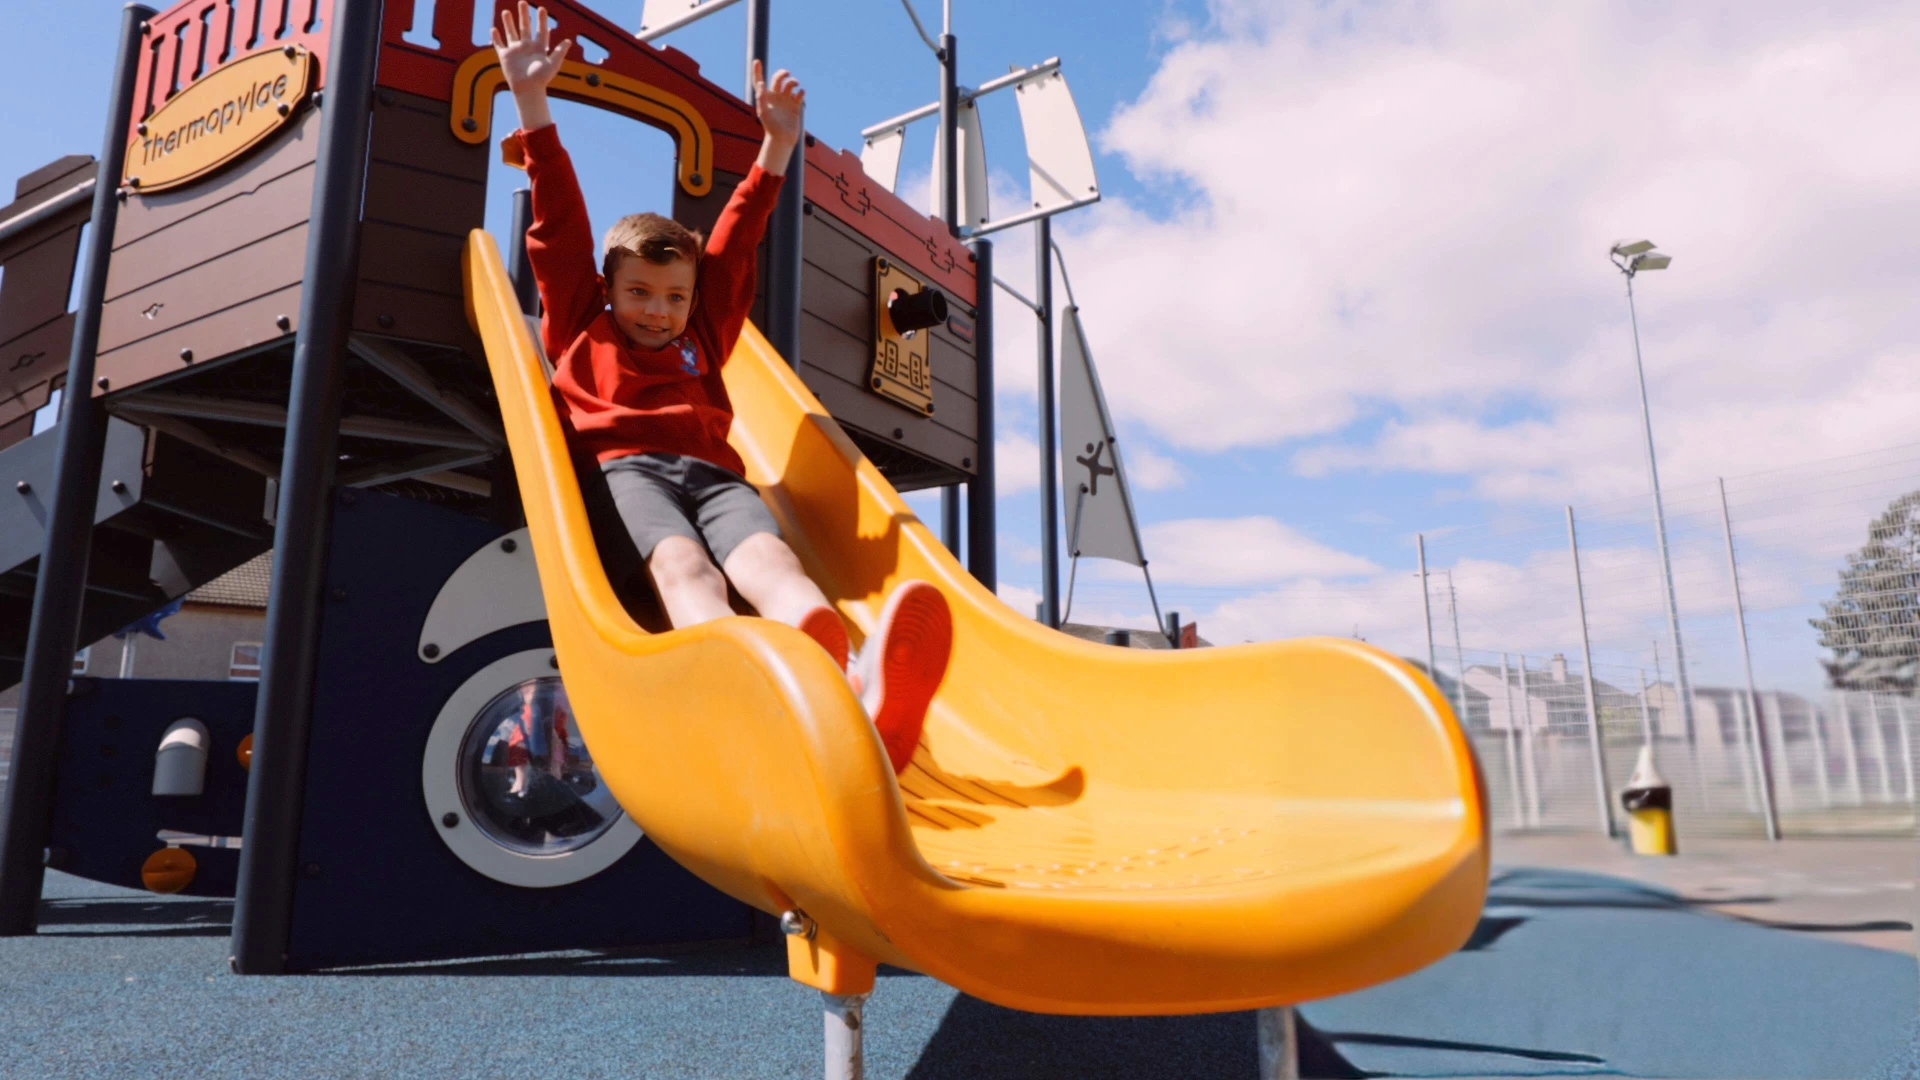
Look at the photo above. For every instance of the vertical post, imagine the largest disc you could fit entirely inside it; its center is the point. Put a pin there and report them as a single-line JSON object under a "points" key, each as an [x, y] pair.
{"points": [[263, 903], [1515, 785], [1880, 747], [1426, 609], [1279, 1043], [1594, 740], [59, 590], [949, 184], [785, 224], [1049, 434], [1646, 714], [1763, 760], [1459, 654], [982, 495], [519, 264], [1529, 760], [1848, 748], [1906, 743], [1173, 629], [1816, 725], [1776, 724], [1682, 682], [846, 1052]]}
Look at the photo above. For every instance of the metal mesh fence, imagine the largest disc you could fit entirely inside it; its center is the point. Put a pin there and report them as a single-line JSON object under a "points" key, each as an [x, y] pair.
{"points": [[1816, 564]]}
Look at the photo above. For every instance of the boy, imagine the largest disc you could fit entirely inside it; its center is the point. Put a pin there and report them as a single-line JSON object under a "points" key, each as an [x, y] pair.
{"points": [[637, 351]]}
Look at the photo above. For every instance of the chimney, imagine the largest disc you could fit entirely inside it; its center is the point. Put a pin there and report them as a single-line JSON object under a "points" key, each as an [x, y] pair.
{"points": [[1558, 665]]}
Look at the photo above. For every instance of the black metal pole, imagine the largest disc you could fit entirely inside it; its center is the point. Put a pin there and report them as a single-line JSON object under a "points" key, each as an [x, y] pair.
{"points": [[276, 789], [982, 525], [61, 585], [1049, 439], [950, 213], [784, 227], [520, 267], [1173, 629]]}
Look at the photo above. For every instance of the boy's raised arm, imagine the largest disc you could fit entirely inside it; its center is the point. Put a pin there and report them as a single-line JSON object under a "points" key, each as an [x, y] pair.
{"points": [[727, 274], [560, 241]]}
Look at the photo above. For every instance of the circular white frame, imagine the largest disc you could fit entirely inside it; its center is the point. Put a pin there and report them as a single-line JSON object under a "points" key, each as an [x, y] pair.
{"points": [[440, 781]]}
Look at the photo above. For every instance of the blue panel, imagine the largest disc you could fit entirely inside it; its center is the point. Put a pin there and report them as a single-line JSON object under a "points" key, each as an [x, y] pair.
{"points": [[376, 884], [105, 817]]}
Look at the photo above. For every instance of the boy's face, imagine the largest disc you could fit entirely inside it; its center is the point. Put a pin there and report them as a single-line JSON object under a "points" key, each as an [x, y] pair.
{"points": [[651, 302]]}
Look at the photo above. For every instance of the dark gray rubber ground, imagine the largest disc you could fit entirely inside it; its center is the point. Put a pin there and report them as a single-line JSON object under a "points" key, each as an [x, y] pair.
{"points": [[1570, 974]]}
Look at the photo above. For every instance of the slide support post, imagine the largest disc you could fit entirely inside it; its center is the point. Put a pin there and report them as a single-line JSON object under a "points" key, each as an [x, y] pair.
{"points": [[1279, 1043], [982, 492], [845, 1051], [60, 588], [283, 718]]}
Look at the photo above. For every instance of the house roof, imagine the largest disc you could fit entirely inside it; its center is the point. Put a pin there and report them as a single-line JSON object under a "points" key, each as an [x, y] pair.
{"points": [[1140, 639], [244, 586]]}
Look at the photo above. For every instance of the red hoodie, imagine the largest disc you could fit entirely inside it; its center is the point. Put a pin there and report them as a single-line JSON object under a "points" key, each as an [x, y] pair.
{"points": [[619, 398]]}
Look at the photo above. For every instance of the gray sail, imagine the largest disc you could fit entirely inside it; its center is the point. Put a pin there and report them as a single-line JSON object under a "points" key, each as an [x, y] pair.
{"points": [[1100, 518]]}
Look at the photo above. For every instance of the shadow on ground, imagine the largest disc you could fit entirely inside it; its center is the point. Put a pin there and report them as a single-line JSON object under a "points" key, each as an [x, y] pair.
{"points": [[137, 916], [978, 1041]]}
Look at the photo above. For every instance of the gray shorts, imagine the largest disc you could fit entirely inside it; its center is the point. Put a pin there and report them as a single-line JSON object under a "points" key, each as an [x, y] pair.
{"points": [[662, 495]]}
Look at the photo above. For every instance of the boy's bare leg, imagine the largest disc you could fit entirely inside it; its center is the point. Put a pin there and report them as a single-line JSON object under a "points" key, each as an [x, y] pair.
{"points": [[689, 585], [769, 576]]}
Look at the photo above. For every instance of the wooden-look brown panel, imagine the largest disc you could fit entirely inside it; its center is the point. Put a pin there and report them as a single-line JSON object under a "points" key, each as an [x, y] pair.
{"points": [[412, 131], [288, 152], [425, 191], [835, 303], [188, 247], [31, 361], [14, 431], [245, 325], [53, 176], [424, 200], [261, 267], [37, 281], [416, 315], [415, 258], [850, 402]]}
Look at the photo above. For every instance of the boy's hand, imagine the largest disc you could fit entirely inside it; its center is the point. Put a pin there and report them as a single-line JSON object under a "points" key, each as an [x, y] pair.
{"points": [[781, 108], [529, 59]]}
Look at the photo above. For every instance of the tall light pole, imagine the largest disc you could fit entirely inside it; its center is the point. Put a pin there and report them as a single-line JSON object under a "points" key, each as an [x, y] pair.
{"points": [[1630, 257]]}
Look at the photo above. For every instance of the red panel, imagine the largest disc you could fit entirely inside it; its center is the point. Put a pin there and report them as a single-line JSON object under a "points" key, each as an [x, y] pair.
{"points": [[306, 23], [837, 185], [835, 182]]}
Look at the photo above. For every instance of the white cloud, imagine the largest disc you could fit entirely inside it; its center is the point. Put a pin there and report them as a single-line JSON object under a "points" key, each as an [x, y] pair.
{"points": [[1249, 551], [1150, 471], [1400, 210], [1016, 464]]}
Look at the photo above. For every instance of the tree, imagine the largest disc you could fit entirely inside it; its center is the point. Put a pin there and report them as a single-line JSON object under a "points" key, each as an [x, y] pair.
{"points": [[1872, 624]]}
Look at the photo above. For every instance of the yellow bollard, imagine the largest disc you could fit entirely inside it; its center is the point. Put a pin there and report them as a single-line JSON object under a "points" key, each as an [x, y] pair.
{"points": [[1648, 800]]}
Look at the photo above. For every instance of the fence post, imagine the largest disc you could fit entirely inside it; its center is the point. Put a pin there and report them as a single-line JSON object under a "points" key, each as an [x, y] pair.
{"points": [[1850, 749], [1515, 786], [1646, 715], [1764, 760], [1593, 706], [1529, 761], [1776, 722], [1426, 610], [1816, 721], [1880, 747], [1906, 743]]}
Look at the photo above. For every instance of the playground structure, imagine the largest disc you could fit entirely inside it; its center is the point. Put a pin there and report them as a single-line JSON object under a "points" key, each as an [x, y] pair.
{"points": [[290, 334]]}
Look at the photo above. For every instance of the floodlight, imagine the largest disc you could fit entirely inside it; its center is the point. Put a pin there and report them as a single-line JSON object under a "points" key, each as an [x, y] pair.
{"points": [[1652, 260], [1632, 247]]}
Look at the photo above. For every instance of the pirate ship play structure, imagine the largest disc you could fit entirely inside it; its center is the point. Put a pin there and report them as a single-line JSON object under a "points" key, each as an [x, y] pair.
{"points": [[291, 334]]}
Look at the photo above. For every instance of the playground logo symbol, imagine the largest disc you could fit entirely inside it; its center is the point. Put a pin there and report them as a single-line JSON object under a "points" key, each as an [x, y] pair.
{"points": [[218, 119]]}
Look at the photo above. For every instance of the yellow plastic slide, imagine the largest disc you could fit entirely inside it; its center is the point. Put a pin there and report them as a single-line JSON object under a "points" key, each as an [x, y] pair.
{"points": [[1085, 829]]}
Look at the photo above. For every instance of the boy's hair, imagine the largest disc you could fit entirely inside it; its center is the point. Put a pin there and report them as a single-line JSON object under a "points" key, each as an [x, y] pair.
{"points": [[659, 240]]}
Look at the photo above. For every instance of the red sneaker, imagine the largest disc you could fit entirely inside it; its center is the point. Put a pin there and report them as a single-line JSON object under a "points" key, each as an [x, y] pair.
{"points": [[823, 624], [902, 664]]}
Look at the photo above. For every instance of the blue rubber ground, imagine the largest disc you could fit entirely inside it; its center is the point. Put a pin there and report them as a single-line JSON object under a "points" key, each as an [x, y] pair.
{"points": [[1570, 974]]}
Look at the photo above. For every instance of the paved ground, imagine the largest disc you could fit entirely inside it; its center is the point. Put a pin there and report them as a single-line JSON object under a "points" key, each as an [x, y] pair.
{"points": [[1571, 973], [1859, 890]]}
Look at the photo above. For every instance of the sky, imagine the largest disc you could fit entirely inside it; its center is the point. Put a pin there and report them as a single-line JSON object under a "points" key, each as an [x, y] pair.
{"points": [[1348, 284]]}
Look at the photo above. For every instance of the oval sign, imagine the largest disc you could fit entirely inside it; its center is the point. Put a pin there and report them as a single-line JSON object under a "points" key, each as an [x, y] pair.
{"points": [[217, 119]]}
